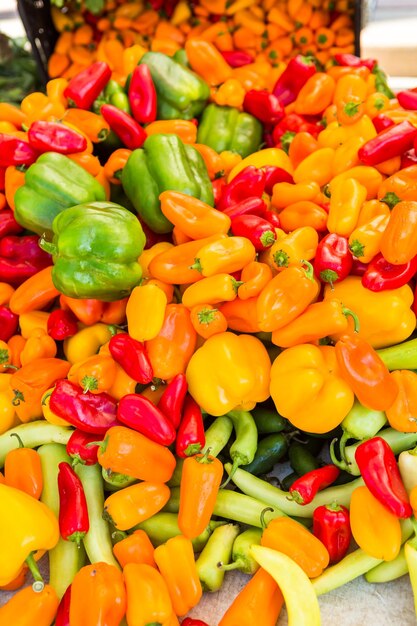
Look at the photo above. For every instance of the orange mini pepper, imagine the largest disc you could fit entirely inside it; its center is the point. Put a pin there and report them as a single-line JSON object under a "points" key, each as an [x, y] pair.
{"points": [[365, 240], [285, 194], [36, 292], [15, 345], [6, 292], [400, 186], [242, 315], [90, 124], [114, 165], [367, 176], [23, 470], [207, 320], [303, 213], [206, 60], [150, 253], [402, 414], [226, 255], [399, 240], [371, 209], [135, 548], [347, 197], [148, 599], [254, 277], [132, 505], [315, 95], [195, 218], [30, 607], [38, 345], [301, 146], [316, 167], [145, 312], [211, 290], [186, 130], [97, 373]]}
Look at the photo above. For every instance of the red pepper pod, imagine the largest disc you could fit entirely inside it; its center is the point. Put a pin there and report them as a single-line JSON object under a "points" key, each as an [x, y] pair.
{"points": [[190, 437], [333, 260], [257, 229], [358, 268], [271, 217], [132, 357], [79, 448], [142, 95], [407, 99], [15, 271], [350, 60], [294, 123], [253, 206], [24, 248], [172, 400], [381, 475], [8, 224], [139, 413], [408, 158], [293, 78], [381, 122], [189, 621], [381, 275], [125, 127], [55, 137], [8, 323], [331, 525], [236, 58], [250, 182], [86, 86], [2, 178], [14, 151], [389, 143], [73, 512], [62, 616], [274, 175], [218, 185], [306, 487], [62, 324], [91, 413], [264, 106]]}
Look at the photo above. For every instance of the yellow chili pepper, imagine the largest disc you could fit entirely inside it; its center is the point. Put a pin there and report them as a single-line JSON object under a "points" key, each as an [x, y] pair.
{"points": [[145, 312], [86, 342], [211, 290], [347, 197], [268, 156]]}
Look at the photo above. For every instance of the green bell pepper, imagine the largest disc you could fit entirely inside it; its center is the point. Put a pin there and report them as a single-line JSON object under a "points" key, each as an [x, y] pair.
{"points": [[113, 94], [52, 184], [95, 251], [163, 163], [182, 94], [226, 128]]}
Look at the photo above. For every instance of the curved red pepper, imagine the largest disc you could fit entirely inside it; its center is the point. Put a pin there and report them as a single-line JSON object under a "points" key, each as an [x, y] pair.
{"points": [[62, 616], [257, 229], [331, 525], [140, 414], [142, 95], [55, 137], [381, 475], [73, 513], [295, 75], [62, 324], [274, 175], [271, 217], [306, 487], [8, 323], [253, 206], [91, 413], [14, 151], [189, 621], [350, 60], [86, 86], [407, 99], [236, 58], [408, 158], [172, 400], [264, 106], [333, 260], [131, 355], [381, 122], [389, 143], [250, 182], [381, 275], [125, 127], [79, 448], [190, 437]]}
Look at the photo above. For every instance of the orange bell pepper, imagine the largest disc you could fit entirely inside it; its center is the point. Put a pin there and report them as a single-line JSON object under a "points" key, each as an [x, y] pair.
{"points": [[148, 599], [347, 197], [132, 505], [30, 606], [145, 312], [402, 412], [254, 277], [186, 131], [23, 470], [227, 255], [36, 292], [207, 320], [88, 311], [114, 165], [211, 290], [399, 240], [315, 95], [194, 218], [242, 315], [135, 548]]}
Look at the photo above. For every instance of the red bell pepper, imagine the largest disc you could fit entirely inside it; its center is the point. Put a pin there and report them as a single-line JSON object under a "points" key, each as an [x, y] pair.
{"points": [[53, 136], [295, 75], [257, 229], [80, 448], [333, 260], [21, 258], [86, 86], [264, 106], [350, 60], [15, 151], [331, 525], [125, 127], [62, 324], [294, 123], [172, 400], [304, 489], [8, 323], [140, 414], [381, 475], [8, 224], [382, 122], [236, 58], [254, 206], [389, 143], [250, 182], [274, 175], [131, 355], [381, 275], [190, 436], [90, 412], [407, 99], [73, 513], [62, 616], [189, 621], [142, 95]]}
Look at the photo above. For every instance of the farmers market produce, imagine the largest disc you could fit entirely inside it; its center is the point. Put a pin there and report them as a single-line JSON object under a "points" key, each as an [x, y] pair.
{"points": [[208, 260]]}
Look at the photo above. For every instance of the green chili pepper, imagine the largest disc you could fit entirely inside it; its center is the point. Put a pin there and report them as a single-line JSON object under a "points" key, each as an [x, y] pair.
{"points": [[66, 558], [241, 556], [218, 435], [268, 421], [301, 459], [113, 481], [288, 480], [175, 479], [407, 464], [388, 570], [162, 526], [363, 423], [400, 357], [271, 450], [115, 94], [243, 449], [218, 549], [34, 434]]}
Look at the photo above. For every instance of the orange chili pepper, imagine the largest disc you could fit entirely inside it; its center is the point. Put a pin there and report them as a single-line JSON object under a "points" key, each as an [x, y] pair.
{"points": [[255, 276], [97, 373], [399, 240], [316, 95], [186, 131], [148, 599], [303, 213], [90, 124], [135, 548], [32, 321], [195, 218], [98, 596], [132, 505], [207, 61], [36, 292], [38, 345], [23, 470], [38, 606], [114, 165], [207, 320]]}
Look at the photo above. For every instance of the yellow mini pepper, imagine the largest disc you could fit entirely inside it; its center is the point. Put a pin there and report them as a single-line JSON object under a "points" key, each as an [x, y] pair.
{"points": [[86, 342], [347, 197], [8, 417], [145, 312]]}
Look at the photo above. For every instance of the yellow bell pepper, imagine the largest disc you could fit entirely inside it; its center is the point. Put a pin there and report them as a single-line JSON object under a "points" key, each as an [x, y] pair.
{"points": [[268, 156], [229, 160], [229, 371], [345, 204], [48, 414], [145, 312], [26, 525], [366, 175], [307, 388], [86, 342], [8, 417], [385, 317]]}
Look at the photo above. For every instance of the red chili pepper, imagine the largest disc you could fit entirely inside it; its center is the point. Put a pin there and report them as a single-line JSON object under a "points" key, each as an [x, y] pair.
{"points": [[86, 86], [131, 355], [333, 260], [264, 106], [382, 122], [8, 323], [62, 616], [304, 489], [381, 275], [389, 143], [125, 127], [274, 175], [331, 525], [142, 95], [62, 324], [408, 159], [156, 5], [254, 206], [257, 229], [90, 412], [358, 267], [140, 414], [8, 224], [2, 178], [218, 185], [350, 60], [250, 182], [381, 475], [190, 436], [407, 99], [294, 123], [169, 6], [14, 151], [295, 75], [189, 621], [236, 58], [271, 217], [21, 258], [79, 448], [73, 513], [172, 400], [53, 136]]}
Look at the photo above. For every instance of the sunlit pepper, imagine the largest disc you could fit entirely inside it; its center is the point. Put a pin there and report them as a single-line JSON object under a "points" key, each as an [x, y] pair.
{"points": [[148, 599], [402, 412], [134, 548], [22, 470], [132, 505], [145, 312], [194, 218], [346, 200], [399, 241], [292, 248]]}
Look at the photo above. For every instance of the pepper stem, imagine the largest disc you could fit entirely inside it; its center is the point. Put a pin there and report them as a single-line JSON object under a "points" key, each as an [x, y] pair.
{"points": [[235, 466], [230, 566], [308, 268], [204, 459], [18, 397], [39, 584], [262, 516], [196, 266], [342, 464], [47, 246], [356, 323], [21, 445], [89, 383]]}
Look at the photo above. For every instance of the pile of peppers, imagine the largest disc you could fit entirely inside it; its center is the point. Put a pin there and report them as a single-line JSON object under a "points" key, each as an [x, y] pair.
{"points": [[191, 294]]}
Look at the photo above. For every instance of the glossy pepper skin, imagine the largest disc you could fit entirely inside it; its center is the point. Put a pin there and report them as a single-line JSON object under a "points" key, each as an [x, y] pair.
{"points": [[172, 400], [79, 450], [164, 163], [190, 438], [381, 275], [148, 599], [263, 105], [399, 241], [389, 143], [55, 137], [23, 470], [21, 258], [86, 264], [380, 472], [248, 183], [9, 322], [142, 95], [331, 525], [294, 77], [52, 184], [134, 504], [85, 87], [73, 513], [15, 151], [226, 128], [139, 413], [28, 607], [306, 487], [130, 133], [333, 260], [62, 324], [131, 355], [181, 94]]}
